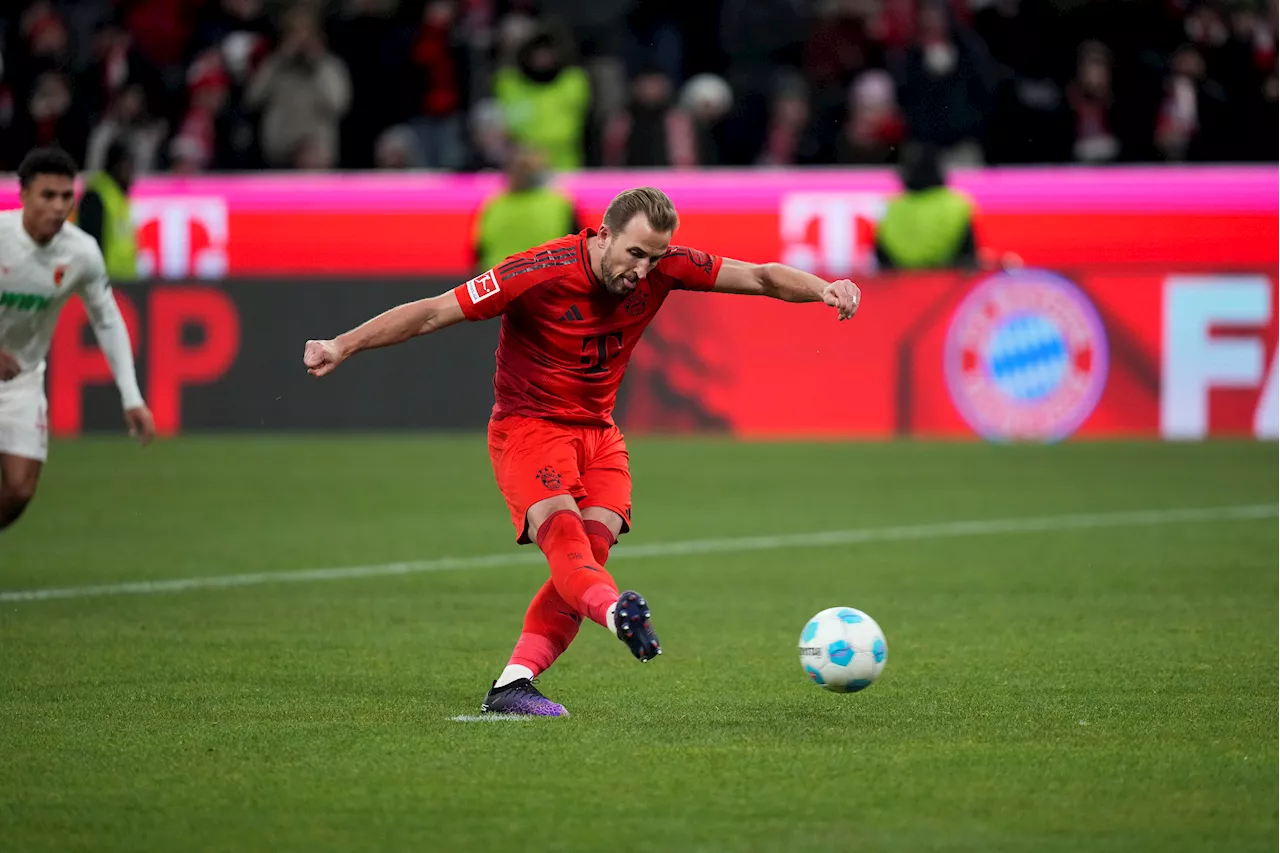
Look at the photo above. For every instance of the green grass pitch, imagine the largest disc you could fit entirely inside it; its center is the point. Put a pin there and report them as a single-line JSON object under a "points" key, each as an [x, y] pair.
{"points": [[1099, 689]]}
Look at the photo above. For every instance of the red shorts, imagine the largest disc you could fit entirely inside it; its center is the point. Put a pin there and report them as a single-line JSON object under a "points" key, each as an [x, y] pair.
{"points": [[534, 459]]}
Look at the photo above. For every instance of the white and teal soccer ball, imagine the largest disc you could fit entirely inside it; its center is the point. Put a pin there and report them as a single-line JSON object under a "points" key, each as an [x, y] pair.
{"points": [[843, 650]]}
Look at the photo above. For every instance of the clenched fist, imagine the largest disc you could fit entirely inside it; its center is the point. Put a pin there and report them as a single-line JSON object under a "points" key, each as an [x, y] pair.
{"points": [[844, 296], [322, 357]]}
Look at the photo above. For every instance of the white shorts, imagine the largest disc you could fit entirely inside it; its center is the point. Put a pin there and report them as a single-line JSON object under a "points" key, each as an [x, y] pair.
{"points": [[24, 417]]}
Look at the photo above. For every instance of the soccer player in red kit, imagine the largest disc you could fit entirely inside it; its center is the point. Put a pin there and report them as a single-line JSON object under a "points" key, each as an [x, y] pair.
{"points": [[572, 312]]}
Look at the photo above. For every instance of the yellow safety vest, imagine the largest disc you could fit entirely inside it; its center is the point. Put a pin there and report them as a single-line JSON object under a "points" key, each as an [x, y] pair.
{"points": [[119, 247]]}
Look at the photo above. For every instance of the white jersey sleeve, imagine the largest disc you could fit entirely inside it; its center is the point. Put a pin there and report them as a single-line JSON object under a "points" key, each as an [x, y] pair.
{"points": [[108, 325]]}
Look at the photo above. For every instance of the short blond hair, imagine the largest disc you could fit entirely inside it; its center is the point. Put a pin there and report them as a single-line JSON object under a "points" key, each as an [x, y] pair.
{"points": [[650, 201]]}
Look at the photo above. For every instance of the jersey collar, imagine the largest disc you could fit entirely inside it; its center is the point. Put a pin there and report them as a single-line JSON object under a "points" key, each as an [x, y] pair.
{"points": [[584, 254]]}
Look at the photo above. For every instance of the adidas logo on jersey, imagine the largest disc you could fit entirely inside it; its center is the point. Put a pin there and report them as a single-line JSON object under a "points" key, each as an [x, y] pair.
{"points": [[572, 314]]}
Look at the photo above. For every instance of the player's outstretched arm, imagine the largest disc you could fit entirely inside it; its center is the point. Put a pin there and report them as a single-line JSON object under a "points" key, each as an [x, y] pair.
{"points": [[789, 284], [113, 337], [394, 326]]}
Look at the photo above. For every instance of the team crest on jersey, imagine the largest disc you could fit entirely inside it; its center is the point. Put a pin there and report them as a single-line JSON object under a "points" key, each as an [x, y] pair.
{"points": [[635, 303], [59, 273], [1025, 357], [549, 477], [482, 287]]}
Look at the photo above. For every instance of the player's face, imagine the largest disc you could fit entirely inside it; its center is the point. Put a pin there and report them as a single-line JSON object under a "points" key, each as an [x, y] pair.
{"points": [[46, 204], [630, 254]]}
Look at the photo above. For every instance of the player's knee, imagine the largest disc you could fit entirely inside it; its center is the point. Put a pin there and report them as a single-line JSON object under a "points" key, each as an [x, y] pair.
{"points": [[14, 499], [18, 491], [538, 513]]}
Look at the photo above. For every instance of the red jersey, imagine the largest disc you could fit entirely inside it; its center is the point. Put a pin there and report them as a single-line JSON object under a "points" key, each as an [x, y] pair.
{"points": [[565, 340]]}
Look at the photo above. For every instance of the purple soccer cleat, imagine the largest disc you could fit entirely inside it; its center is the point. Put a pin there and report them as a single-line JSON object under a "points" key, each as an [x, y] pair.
{"points": [[520, 697]]}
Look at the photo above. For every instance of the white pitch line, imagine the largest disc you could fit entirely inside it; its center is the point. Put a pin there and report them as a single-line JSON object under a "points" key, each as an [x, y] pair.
{"points": [[498, 718], [686, 548]]}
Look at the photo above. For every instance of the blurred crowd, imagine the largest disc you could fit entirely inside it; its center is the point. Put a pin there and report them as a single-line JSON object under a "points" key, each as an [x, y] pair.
{"points": [[194, 86]]}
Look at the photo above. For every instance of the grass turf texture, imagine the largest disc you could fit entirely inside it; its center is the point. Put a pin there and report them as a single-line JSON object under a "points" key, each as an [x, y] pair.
{"points": [[1093, 690]]}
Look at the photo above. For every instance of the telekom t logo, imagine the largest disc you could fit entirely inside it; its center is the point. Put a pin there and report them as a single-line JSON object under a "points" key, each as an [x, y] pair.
{"points": [[1196, 361], [181, 236], [845, 231]]}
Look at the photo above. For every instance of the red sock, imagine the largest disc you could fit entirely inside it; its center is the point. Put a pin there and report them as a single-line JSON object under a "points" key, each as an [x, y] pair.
{"points": [[550, 625], [581, 582], [601, 538]]}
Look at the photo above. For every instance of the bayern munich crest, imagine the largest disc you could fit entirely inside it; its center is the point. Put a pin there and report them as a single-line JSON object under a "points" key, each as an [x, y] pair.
{"points": [[1025, 357]]}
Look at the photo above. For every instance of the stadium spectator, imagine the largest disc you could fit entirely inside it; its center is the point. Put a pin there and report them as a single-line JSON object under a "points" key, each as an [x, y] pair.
{"points": [[162, 31], [788, 141], [1193, 122], [929, 225], [441, 71], [945, 84], [205, 131], [1092, 103], [491, 146], [545, 98], [127, 121], [874, 128], [652, 131], [707, 100], [49, 116], [397, 147], [526, 213], [303, 91], [760, 39], [995, 81], [104, 211], [232, 41]]}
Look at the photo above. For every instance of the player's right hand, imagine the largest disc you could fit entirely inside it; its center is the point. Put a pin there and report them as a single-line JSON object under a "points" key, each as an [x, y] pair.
{"points": [[9, 367], [322, 357]]}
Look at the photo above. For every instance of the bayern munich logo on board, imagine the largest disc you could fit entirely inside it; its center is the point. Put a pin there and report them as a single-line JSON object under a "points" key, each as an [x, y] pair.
{"points": [[1025, 357]]}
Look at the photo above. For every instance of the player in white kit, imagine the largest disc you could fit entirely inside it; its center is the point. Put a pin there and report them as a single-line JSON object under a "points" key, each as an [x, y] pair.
{"points": [[43, 260]]}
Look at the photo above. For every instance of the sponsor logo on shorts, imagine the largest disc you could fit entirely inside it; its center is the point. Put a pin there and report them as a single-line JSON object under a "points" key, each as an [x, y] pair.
{"points": [[483, 286], [549, 477], [1025, 357]]}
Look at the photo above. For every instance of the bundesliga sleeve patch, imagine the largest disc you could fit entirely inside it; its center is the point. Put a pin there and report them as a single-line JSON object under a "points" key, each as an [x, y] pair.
{"points": [[482, 287]]}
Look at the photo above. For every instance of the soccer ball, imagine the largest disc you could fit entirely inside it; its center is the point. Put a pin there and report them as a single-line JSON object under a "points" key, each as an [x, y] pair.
{"points": [[843, 650]]}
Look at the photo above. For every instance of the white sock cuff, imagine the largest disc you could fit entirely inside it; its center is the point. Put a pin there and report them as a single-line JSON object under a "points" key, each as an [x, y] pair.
{"points": [[513, 672]]}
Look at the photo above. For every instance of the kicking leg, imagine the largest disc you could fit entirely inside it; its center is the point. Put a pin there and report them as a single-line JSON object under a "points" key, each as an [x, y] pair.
{"points": [[18, 478], [581, 581], [607, 514], [630, 614]]}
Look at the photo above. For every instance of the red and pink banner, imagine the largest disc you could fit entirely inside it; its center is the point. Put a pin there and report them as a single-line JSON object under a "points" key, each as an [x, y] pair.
{"points": [[1028, 355], [381, 224], [1024, 355]]}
